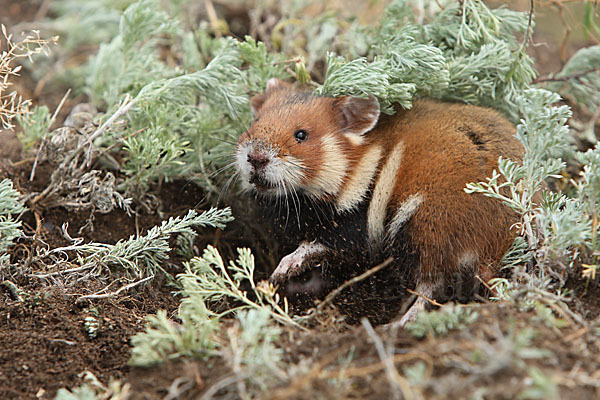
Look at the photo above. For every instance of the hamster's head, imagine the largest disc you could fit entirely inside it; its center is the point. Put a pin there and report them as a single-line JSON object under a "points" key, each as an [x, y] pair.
{"points": [[302, 143]]}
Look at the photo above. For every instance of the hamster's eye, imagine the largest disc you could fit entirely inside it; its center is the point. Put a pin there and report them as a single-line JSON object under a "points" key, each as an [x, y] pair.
{"points": [[301, 135]]}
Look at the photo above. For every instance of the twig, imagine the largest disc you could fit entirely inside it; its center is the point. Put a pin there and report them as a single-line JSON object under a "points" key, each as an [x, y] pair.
{"points": [[591, 137], [212, 17], [315, 372], [43, 141], [289, 61], [293, 73], [222, 384], [372, 368], [559, 310], [23, 161], [13, 289], [395, 379], [64, 341], [529, 25], [128, 102], [66, 271], [577, 334], [41, 84], [120, 141], [318, 371], [560, 302], [178, 387], [563, 46], [38, 224], [484, 283], [115, 293], [427, 299], [565, 78], [349, 282], [42, 11]]}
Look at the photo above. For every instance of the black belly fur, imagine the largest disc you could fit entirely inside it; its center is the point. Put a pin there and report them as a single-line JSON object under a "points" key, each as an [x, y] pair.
{"points": [[379, 297]]}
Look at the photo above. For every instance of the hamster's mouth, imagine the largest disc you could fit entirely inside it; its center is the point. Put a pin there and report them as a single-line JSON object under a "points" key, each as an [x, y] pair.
{"points": [[261, 183]]}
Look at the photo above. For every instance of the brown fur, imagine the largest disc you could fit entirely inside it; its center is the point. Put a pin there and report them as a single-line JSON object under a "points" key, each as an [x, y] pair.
{"points": [[440, 159]]}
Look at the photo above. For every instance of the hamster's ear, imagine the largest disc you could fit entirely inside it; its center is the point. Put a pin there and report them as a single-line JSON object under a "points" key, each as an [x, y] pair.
{"points": [[357, 115], [257, 101], [273, 84], [276, 84]]}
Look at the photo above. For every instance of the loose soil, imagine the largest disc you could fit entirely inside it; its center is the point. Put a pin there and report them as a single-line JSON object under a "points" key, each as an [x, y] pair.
{"points": [[45, 345]]}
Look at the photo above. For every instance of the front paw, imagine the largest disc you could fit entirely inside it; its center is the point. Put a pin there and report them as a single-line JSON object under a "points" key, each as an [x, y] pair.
{"points": [[295, 263], [309, 284], [292, 264]]}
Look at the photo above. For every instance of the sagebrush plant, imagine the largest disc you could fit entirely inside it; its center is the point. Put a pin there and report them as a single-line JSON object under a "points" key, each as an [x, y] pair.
{"points": [[25, 47], [140, 257], [466, 52], [93, 389], [210, 293], [252, 351], [559, 229], [165, 339], [207, 278], [578, 81], [210, 290], [130, 61], [34, 125], [10, 227], [185, 111], [440, 322], [248, 347]]}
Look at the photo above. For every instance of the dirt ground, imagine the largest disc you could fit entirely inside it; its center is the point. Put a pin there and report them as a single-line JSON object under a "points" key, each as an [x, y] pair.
{"points": [[45, 347]]}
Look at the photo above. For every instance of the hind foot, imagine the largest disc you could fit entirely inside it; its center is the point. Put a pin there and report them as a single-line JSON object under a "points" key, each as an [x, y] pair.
{"points": [[425, 291]]}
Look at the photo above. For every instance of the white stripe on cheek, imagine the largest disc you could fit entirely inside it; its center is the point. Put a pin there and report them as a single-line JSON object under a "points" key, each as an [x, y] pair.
{"points": [[382, 194], [360, 179], [330, 175]]}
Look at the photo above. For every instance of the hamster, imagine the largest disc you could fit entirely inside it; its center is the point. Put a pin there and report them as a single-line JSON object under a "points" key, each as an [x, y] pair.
{"points": [[358, 182]]}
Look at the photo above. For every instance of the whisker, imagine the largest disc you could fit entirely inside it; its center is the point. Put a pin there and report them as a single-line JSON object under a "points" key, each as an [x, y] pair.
{"points": [[223, 140], [227, 185], [297, 165], [296, 205], [287, 204], [220, 170]]}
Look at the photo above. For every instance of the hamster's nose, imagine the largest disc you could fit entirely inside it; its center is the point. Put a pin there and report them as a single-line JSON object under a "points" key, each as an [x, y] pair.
{"points": [[258, 160]]}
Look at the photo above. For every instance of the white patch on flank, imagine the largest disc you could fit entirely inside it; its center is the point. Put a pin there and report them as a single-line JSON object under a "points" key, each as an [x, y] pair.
{"points": [[330, 175], [468, 259], [404, 213], [361, 178], [382, 194], [293, 261]]}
